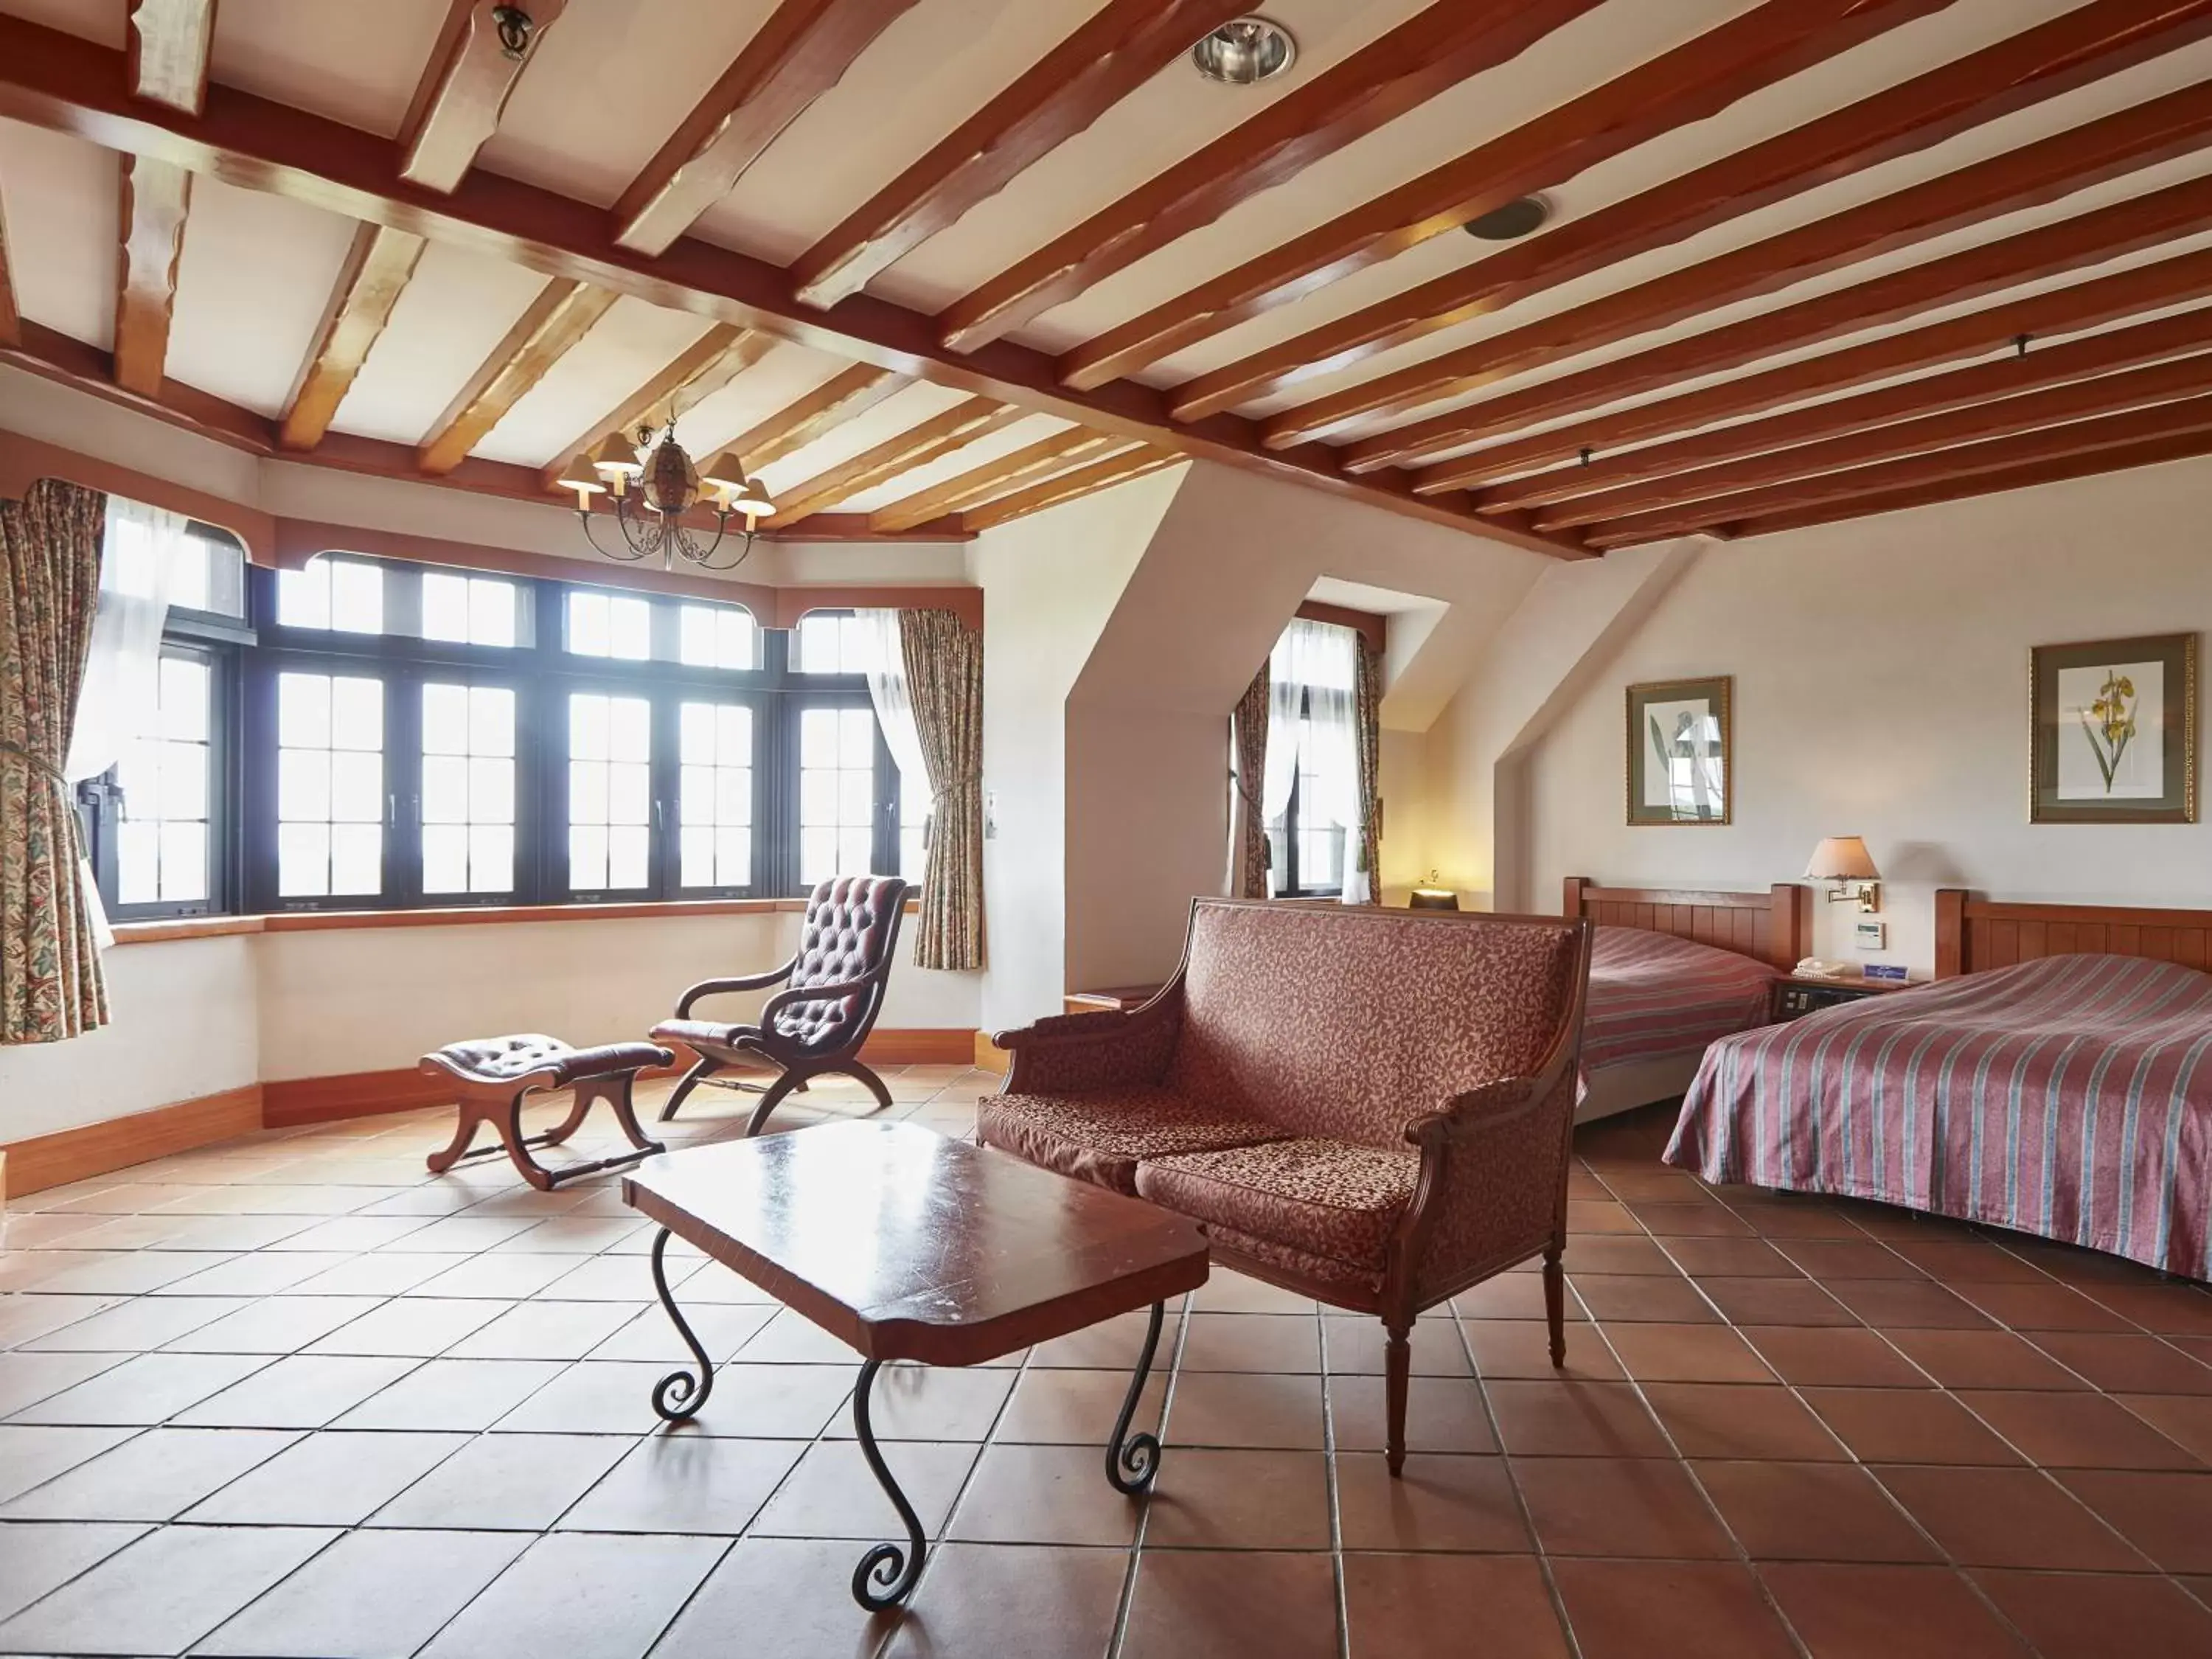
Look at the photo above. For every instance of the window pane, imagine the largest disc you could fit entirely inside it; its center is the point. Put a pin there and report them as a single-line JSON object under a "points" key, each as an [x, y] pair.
{"points": [[184, 696], [838, 802], [445, 858], [137, 863], [468, 794], [445, 606], [303, 710], [303, 597], [445, 789], [303, 860], [717, 636], [588, 624], [184, 861], [445, 719], [491, 611], [357, 858], [491, 858], [609, 625], [491, 720], [356, 597], [631, 628], [468, 609], [330, 785], [610, 800], [356, 714], [716, 802]]}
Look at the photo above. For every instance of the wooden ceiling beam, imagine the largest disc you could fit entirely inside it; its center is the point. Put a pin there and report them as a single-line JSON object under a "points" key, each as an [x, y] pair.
{"points": [[1621, 484], [802, 51], [562, 314], [2151, 453], [917, 447], [849, 393], [11, 318], [377, 270], [62, 83], [702, 369], [2178, 418], [1122, 45], [55, 356], [1068, 486], [2092, 304], [168, 46], [471, 73], [156, 197], [1424, 55], [2034, 174], [2089, 238], [1046, 458], [2099, 39], [2106, 394]]}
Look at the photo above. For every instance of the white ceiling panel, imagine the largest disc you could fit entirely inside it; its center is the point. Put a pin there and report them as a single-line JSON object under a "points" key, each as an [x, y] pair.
{"points": [[60, 198], [897, 413], [356, 63], [787, 373], [1035, 428], [624, 349]]}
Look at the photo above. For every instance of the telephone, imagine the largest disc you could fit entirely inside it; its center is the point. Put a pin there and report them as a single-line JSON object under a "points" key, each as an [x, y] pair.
{"points": [[1814, 967]]}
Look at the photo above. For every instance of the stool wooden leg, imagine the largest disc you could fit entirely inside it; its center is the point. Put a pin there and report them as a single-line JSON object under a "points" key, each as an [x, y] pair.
{"points": [[471, 1119], [579, 1108], [615, 1092], [507, 1118]]}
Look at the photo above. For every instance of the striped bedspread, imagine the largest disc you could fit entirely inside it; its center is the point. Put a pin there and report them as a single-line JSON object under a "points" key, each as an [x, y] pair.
{"points": [[2069, 1098], [1652, 994]]}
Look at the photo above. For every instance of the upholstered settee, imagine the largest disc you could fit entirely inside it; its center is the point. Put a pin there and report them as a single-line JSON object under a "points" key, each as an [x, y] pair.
{"points": [[1371, 1107]]}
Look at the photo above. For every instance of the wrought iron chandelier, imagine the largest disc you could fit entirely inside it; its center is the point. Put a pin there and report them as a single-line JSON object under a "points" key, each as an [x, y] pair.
{"points": [[649, 493]]}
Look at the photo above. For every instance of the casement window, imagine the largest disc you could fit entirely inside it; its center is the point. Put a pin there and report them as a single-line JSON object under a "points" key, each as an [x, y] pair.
{"points": [[371, 734], [1310, 784]]}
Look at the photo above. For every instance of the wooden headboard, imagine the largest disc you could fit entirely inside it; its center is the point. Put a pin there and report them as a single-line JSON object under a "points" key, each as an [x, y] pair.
{"points": [[1775, 925], [1974, 933]]}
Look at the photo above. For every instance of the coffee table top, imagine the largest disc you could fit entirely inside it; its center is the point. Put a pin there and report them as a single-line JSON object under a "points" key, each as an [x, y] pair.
{"points": [[908, 1245]]}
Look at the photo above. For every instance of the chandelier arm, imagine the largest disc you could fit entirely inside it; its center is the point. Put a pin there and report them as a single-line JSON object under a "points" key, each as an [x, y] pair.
{"points": [[584, 518]]}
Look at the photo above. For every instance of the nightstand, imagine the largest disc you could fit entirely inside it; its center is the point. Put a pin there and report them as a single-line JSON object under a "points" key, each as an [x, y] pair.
{"points": [[1795, 995]]}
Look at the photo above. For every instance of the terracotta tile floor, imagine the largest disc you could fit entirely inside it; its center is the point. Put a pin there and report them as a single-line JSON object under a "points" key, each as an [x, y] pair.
{"points": [[291, 1396]]}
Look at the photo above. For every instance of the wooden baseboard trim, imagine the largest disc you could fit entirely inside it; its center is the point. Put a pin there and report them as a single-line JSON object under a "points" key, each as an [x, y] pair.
{"points": [[919, 1046], [95, 1149], [988, 1056]]}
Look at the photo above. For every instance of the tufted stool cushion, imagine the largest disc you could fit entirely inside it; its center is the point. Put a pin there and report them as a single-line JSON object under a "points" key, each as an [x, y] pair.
{"points": [[850, 923], [499, 1062]]}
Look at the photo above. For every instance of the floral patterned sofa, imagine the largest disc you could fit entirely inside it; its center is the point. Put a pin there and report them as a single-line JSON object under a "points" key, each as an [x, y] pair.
{"points": [[1371, 1107]]}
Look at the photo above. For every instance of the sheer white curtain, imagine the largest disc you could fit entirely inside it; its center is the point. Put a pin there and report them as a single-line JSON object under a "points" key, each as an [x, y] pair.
{"points": [[119, 699], [1311, 706], [894, 701], [1285, 696]]}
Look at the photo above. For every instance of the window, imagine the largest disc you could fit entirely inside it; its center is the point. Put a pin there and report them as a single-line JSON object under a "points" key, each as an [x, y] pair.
{"points": [[1312, 752], [368, 734], [828, 642]]}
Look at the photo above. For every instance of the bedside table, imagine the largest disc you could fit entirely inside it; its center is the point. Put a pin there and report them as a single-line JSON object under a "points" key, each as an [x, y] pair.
{"points": [[1796, 996]]}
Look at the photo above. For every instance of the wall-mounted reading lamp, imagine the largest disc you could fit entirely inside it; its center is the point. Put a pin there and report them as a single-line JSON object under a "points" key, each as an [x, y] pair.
{"points": [[1843, 862]]}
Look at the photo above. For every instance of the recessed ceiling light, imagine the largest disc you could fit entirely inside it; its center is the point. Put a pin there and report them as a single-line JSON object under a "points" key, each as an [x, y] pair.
{"points": [[1245, 52], [1510, 223]]}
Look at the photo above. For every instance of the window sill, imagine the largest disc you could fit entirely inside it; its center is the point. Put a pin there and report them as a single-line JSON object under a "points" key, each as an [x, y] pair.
{"points": [[315, 921]]}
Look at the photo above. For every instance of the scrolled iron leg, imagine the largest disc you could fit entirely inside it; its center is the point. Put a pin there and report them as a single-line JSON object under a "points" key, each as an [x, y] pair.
{"points": [[678, 1395], [886, 1574], [1132, 1460]]}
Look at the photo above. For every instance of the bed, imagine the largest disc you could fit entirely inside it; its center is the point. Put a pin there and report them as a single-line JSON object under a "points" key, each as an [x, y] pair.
{"points": [[1671, 971], [2056, 1080]]}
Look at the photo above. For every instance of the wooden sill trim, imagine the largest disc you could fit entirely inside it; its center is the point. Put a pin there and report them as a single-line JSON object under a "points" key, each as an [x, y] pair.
{"points": [[317, 922]]}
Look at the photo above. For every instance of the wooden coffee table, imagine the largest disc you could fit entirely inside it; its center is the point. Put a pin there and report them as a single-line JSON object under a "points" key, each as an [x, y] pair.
{"points": [[908, 1245]]}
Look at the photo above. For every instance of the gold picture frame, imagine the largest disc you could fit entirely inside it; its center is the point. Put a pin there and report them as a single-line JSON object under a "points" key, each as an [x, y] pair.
{"points": [[2089, 759], [1686, 728]]}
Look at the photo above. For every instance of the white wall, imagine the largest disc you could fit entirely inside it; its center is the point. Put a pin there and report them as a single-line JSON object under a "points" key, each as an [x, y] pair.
{"points": [[1881, 689]]}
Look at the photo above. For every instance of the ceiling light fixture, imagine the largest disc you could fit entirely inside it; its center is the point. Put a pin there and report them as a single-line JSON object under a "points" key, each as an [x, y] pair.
{"points": [[651, 493], [1245, 52], [1523, 217]]}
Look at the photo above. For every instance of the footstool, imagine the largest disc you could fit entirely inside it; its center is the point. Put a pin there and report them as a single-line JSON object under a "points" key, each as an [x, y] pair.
{"points": [[494, 1073]]}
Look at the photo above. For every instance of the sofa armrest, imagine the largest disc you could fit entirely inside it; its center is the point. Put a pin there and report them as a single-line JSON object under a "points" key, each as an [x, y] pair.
{"points": [[1109, 1048]]}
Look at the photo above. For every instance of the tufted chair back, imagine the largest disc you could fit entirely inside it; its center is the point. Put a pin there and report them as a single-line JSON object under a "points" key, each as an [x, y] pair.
{"points": [[850, 935]]}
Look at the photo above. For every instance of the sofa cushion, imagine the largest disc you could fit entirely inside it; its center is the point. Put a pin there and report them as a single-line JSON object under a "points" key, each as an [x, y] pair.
{"points": [[1099, 1137], [1343, 1026], [1323, 1198]]}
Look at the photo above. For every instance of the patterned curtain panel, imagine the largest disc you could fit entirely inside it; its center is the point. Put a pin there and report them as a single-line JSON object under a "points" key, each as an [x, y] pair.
{"points": [[1249, 725], [944, 677], [50, 980], [1367, 713]]}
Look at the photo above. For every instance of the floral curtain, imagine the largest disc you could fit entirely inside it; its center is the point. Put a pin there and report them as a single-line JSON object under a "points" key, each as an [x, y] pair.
{"points": [[1367, 715], [945, 680], [50, 980], [1248, 854]]}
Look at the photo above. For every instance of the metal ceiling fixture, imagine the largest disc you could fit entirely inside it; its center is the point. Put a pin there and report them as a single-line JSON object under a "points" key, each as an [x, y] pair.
{"points": [[1523, 217], [1245, 52], [649, 497], [516, 26]]}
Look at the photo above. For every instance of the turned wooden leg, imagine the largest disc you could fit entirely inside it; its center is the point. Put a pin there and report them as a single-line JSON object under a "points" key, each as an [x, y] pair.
{"points": [[1397, 1365], [1555, 1304], [473, 1118]]}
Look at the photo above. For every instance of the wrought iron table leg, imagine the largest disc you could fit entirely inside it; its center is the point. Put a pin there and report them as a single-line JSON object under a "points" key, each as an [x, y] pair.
{"points": [[678, 1395], [886, 1574], [1132, 1460]]}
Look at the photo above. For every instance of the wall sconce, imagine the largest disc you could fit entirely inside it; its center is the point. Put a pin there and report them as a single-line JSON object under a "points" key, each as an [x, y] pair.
{"points": [[1843, 862], [1432, 894]]}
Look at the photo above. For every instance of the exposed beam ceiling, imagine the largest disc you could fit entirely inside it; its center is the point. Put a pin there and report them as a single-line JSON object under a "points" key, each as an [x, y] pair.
{"points": [[464, 88], [1117, 50], [156, 197], [1406, 67], [2089, 238], [2101, 38], [917, 447], [1084, 480], [1627, 483], [168, 46], [802, 51], [845, 395], [1047, 458], [560, 315], [704, 367], [377, 269]]}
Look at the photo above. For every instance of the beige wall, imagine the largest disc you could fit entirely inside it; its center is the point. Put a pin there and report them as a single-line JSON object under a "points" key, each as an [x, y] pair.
{"points": [[1881, 689]]}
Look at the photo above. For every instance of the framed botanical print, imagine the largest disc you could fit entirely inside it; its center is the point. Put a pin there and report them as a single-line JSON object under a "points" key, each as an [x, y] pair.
{"points": [[1679, 769], [2114, 731]]}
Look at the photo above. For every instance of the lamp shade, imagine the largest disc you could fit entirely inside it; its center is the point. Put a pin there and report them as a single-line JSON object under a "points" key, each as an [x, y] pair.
{"points": [[1841, 858], [1433, 898]]}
